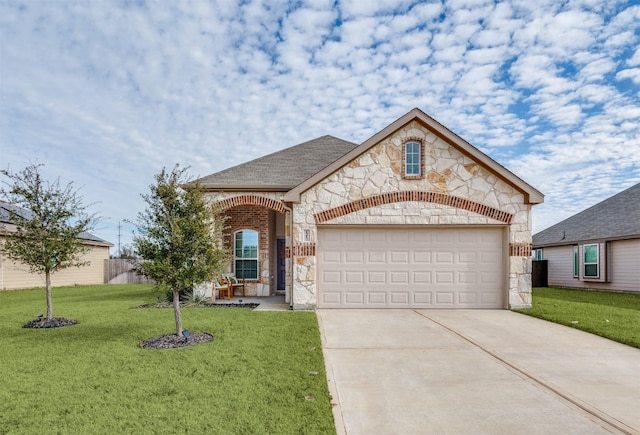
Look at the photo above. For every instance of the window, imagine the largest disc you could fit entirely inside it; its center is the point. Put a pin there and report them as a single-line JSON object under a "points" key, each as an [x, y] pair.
{"points": [[537, 254], [576, 262], [245, 254], [591, 266], [413, 159]]}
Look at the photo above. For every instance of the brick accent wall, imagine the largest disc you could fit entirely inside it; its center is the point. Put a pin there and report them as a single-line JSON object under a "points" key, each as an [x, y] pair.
{"points": [[246, 200], [250, 218], [520, 249], [412, 195]]}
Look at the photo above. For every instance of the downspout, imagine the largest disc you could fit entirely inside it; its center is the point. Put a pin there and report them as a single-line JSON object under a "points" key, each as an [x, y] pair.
{"points": [[290, 246]]}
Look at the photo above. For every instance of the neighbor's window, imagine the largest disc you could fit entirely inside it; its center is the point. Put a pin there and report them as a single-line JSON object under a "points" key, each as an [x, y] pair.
{"points": [[412, 159], [245, 252], [591, 266], [537, 254]]}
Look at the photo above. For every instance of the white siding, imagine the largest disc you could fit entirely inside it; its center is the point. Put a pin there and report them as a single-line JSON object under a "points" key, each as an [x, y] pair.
{"points": [[623, 271], [560, 266]]}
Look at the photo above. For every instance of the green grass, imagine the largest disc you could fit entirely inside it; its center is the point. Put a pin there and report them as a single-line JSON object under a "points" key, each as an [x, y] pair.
{"points": [[94, 378], [611, 315]]}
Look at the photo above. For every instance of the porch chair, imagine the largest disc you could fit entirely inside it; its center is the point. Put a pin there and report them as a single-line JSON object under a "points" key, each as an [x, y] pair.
{"points": [[235, 283], [224, 287]]}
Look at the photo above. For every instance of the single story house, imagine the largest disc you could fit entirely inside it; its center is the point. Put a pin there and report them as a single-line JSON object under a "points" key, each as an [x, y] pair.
{"points": [[598, 248], [16, 276], [413, 217]]}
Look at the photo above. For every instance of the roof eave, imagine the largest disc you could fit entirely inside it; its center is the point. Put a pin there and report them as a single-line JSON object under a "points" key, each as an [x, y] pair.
{"points": [[246, 188], [585, 241]]}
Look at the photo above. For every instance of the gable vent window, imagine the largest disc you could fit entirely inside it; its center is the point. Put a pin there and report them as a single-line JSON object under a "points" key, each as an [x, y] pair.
{"points": [[412, 162]]}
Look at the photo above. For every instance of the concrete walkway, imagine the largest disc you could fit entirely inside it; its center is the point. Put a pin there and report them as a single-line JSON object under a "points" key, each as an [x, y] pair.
{"points": [[475, 372]]}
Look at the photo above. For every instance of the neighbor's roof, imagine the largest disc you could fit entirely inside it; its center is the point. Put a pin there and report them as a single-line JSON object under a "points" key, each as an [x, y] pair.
{"points": [[5, 218], [282, 170], [615, 218]]}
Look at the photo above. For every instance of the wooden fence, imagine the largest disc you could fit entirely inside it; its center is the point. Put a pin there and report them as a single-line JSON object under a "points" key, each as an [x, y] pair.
{"points": [[120, 271]]}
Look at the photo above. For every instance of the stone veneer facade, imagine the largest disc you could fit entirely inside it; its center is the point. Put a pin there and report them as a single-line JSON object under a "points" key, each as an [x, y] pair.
{"points": [[371, 190], [454, 190]]}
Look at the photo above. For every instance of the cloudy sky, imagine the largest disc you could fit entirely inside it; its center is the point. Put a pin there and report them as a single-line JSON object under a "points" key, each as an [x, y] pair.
{"points": [[106, 93]]}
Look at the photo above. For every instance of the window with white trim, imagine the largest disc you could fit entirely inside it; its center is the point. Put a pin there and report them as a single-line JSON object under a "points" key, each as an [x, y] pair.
{"points": [[245, 253], [412, 159], [591, 261], [576, 262]]}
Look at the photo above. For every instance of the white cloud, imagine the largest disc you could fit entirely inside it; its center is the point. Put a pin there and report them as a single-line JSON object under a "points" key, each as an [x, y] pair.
{"points": [[109, 93], [630, 73]]}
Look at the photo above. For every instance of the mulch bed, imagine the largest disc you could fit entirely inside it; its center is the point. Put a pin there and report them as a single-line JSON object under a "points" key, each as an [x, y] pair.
{"points": [[173, 341], [54, 322]]}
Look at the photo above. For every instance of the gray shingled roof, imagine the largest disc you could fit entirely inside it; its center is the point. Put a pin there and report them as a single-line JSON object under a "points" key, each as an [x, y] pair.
{"points": [[282, 170], [5, 218], [615, 218]]}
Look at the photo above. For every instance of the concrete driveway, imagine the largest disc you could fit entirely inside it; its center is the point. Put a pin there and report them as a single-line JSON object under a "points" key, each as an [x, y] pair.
{"points": [[475, 372]]}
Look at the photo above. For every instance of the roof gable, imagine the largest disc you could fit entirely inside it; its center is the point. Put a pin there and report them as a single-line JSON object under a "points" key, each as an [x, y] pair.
{"points": [[282, 170], [617, 217], [531, 195]]}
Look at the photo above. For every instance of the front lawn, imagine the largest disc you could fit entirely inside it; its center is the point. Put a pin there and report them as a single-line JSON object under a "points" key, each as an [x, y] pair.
{"points": [[258, 376], [611, 315]]}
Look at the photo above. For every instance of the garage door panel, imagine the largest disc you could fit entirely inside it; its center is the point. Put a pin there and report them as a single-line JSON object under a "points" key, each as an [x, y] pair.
{"points": [[444, 277], [401, 257], [421, 257], [399, 298], [422, 277], [444, 257], [467, 277], [377, 277], [418, 267], [377, 257], [352, 277], [331, 257], [354, 257], [444, 298], [422, 298], [399, 277], [354, 297], [377, 298], [331, 298]]}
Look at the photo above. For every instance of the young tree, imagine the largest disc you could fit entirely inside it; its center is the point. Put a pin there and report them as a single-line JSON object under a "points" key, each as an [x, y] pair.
{"points": [[46, 237], [179, 236]]}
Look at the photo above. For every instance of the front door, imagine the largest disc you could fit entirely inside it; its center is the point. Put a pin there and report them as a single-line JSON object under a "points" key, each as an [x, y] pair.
{"points": [[280, 265]]}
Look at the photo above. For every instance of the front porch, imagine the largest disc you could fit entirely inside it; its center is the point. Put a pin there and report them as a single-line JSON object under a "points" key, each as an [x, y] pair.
{"points": [[267, 303], [257, 235]]}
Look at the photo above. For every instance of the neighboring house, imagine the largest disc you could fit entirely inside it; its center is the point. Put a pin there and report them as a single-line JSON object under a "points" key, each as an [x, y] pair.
{"points": [[16, 275], [598, 248], [413, 217]]}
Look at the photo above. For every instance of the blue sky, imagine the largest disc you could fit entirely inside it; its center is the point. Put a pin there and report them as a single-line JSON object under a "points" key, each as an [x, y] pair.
{"points": [[106, 93]]}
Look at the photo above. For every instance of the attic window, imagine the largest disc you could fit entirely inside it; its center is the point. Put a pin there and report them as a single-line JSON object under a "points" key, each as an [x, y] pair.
{"points": [[413, 157]]}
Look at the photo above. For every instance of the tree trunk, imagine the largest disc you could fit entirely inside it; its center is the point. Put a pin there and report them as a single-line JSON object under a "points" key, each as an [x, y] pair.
{"points": [[48, 284], [176, 310]]}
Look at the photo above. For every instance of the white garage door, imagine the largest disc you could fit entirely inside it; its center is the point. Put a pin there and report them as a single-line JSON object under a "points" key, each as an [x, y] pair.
{"points": [[417, 267]]}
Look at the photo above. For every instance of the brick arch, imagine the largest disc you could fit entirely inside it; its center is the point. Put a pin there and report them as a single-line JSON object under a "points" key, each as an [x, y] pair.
{"points": [[419, 196], [262, 201]]}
